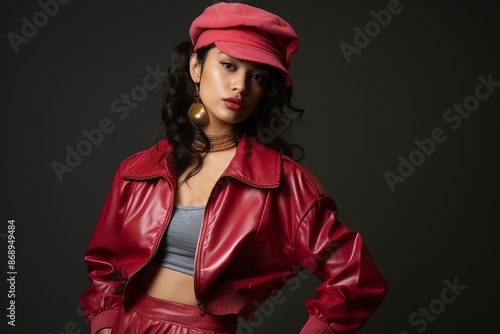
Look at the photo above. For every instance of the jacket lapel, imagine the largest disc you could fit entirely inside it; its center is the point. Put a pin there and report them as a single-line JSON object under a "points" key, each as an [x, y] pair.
{"points": [[253, 164]]}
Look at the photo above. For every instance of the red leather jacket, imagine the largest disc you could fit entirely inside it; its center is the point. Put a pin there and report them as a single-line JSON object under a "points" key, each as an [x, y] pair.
{"points": [[267, 218]]}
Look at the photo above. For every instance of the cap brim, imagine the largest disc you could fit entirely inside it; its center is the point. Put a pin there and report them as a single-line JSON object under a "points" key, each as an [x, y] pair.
{"points": [[255, 54]]}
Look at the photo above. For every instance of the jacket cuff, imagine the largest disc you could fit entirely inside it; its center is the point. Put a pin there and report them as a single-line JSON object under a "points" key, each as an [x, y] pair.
{"points": [[105, 319], [316, 326]]}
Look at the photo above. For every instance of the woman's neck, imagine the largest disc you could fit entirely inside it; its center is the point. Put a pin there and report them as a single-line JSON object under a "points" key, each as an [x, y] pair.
{"points": [[218, 142]]}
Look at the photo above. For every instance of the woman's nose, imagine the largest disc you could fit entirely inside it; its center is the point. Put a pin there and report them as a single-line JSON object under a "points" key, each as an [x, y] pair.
{"points": [[239, 83]]}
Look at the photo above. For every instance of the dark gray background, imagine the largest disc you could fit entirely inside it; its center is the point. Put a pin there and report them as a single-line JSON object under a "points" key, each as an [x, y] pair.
{"points": [[440, 224]]}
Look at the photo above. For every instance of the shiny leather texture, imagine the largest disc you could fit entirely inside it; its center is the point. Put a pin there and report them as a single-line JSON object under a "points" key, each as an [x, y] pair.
{"points": [[266, 219], [143, 314]]}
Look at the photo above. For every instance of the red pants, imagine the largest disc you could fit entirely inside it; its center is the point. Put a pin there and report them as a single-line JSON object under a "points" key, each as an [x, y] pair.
{"points": [[143, 314]]}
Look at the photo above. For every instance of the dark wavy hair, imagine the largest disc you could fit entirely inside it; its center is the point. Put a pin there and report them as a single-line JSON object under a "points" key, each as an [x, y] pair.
{"points": [[266, 124]]}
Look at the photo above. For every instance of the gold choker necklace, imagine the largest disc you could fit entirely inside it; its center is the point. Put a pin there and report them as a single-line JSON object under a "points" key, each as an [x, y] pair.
{"points": [[220, 142]]}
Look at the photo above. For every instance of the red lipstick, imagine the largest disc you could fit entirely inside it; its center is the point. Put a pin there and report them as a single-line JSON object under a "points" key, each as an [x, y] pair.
{"points": [[233, 103]]}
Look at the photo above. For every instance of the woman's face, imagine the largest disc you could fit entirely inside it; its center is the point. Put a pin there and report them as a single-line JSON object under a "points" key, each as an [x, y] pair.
{"points": [[230, 88]]}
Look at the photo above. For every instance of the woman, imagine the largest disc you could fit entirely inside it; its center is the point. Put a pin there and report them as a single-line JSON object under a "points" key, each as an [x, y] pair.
{"points": [[206, 225]]}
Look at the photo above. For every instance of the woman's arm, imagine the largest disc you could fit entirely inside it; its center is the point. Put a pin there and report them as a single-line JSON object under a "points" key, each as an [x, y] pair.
{"points": [[352, 286], [102, 300]]}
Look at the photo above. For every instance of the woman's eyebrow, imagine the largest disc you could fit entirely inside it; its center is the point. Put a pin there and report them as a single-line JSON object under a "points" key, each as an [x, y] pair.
{"points": [[256, 65]]}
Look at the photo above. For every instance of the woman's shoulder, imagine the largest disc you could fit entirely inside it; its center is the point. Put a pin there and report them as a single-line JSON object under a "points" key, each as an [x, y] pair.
{"points": [[292, 174], [148, 162], [299, 174]]}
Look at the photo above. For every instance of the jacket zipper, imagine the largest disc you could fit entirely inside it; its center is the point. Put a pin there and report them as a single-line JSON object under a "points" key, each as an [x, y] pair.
{"points": [[200, 304], [168, 216]]}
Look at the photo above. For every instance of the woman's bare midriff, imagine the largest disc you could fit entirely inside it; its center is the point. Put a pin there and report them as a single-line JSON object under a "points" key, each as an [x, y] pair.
{"points": [[167, 284]]}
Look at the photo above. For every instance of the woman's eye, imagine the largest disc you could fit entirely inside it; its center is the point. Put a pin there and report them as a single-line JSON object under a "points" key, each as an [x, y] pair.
{"points": [[258, 78], [227, 66]]}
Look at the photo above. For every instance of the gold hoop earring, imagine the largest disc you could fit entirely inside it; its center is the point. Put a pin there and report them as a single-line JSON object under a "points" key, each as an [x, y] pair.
{"points": [[197, 113]]}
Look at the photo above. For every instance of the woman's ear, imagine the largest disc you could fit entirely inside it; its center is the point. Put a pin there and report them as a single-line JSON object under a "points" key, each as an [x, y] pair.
{"points": [[194, 68]]}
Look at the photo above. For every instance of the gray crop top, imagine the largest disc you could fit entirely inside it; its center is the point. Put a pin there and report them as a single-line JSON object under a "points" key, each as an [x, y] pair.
{"points": [[178, 245]]}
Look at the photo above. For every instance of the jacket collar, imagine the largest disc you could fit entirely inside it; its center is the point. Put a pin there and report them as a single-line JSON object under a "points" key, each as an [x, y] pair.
{"points": [[253, 164]]}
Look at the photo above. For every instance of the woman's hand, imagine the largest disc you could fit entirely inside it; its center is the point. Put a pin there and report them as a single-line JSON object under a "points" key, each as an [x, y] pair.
{"points": [[104, 331]]}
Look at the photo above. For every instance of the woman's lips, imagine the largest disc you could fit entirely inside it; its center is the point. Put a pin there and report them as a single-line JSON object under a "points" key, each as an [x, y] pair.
{"points": [[233, 103]]}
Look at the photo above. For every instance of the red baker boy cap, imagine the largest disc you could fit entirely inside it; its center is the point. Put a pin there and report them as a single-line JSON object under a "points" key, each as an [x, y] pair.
{"points": [[245, 32]]}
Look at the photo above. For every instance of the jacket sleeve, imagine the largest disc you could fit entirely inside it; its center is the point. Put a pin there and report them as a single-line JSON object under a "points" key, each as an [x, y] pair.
{"points": [[352, 286], [101, 301]]}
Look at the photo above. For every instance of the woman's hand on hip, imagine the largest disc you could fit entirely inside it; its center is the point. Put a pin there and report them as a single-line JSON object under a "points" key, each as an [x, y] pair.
{"points": [[104, 331]]}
